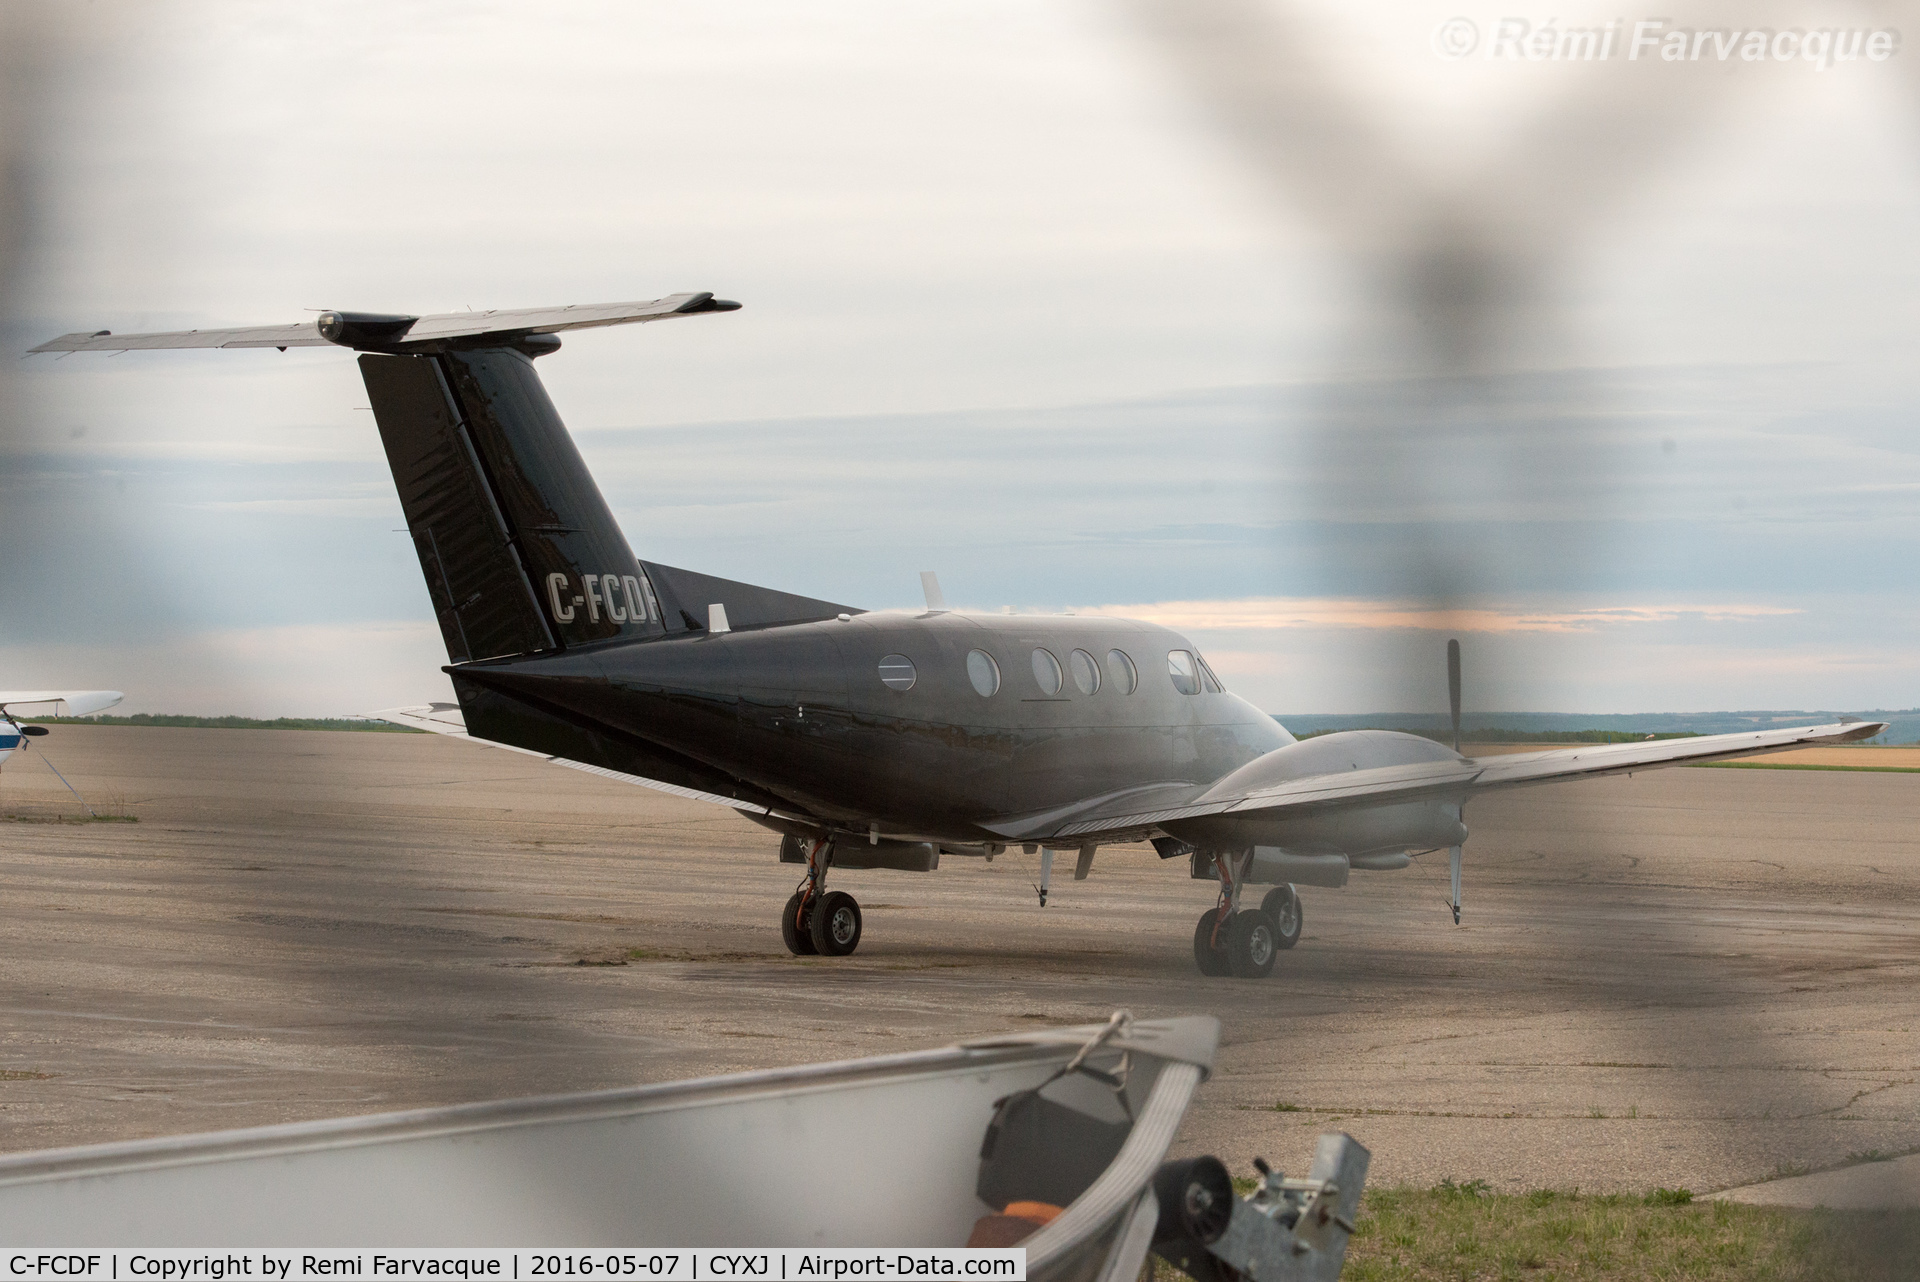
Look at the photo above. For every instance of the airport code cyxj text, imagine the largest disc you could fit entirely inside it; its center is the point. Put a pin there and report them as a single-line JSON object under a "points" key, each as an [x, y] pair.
{"points": [[704, 1264]]}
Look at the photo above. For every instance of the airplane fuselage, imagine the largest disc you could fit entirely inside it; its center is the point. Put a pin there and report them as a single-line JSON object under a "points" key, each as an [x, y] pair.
{"points": [[893, 719]]}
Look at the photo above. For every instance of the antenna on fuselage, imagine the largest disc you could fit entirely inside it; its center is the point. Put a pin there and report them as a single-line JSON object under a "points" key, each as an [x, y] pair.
{"points": [[936, 599]]}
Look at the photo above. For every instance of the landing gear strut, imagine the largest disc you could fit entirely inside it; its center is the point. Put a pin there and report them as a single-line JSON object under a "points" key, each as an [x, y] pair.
{"points": [[1231, 940], [816, 922]]}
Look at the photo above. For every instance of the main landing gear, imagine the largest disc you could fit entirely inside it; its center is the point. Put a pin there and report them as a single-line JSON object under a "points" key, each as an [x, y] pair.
{"points": [[1231, 940], [815, 920]]}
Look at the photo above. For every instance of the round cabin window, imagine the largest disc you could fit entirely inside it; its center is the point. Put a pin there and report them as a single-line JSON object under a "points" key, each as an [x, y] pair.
{"points": [[983, 672], [1086, 673], [1046, 671], [896, 672], [1186, 678], [1121, 672]]}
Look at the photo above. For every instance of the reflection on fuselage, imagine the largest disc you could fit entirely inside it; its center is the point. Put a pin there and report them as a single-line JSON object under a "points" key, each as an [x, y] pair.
{"points": [[997, 719]]}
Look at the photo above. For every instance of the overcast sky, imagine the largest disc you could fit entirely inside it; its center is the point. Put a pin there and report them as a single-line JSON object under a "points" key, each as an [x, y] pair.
{"points": [[1022, 305]]}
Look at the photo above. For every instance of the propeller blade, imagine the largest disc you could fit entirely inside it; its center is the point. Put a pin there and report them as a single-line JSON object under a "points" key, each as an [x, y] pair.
{"points": [[1453, 688], [1453, 872]]}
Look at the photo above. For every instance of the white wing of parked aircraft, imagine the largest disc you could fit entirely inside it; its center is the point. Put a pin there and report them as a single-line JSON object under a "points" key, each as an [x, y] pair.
{"points": [[73, 703], [68, 703]]}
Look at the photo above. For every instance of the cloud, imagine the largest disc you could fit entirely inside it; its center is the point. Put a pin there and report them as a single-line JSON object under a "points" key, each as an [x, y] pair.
{"points": [[304, 670], [987, 253], [341, 505], [1348, 656], [1271, 613]]}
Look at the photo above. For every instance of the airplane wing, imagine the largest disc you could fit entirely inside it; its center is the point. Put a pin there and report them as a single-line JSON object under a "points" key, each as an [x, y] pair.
{"points": [[553, 320], [105, 340], [445, 719], [78, 703], [1421, 781], [406, 332]]}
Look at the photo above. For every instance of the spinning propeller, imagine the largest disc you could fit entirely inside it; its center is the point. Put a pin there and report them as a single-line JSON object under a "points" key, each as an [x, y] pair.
{"points": [[1459, 812]]}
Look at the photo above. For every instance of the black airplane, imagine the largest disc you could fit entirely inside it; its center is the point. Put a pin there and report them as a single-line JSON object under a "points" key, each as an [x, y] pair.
{"points": [[867, 739]]}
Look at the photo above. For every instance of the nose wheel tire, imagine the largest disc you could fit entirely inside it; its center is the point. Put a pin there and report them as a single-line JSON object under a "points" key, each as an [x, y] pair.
{"points": [[836, 925], [1210, 960], [1251, 945], [796, 934], [1282, 905]]}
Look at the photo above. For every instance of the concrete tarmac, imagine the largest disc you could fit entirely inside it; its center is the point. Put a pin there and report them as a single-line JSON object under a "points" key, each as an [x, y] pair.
{"points": [[1893, 1184], [1696, 978]]}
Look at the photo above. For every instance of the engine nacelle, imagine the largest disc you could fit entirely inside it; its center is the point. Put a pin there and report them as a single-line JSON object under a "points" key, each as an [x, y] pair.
{"points": [[1358, 834], [1275, 867], [1362, 833], [901, 856]]}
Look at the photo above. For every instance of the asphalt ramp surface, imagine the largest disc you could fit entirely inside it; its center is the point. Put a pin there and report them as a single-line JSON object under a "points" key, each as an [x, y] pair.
{"points": [[1686, 978]]}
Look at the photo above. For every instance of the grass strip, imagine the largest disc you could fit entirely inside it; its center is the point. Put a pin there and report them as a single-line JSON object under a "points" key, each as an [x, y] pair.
{"points": [[1790, 765], [1461, 1232], [174, 720]]}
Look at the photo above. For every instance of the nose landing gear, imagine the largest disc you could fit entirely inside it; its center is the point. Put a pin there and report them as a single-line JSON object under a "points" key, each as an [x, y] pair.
{"points": [[836, 925], [1210, 946], [796, 925], [1250, 946], [816, 922], [1244, 942]]}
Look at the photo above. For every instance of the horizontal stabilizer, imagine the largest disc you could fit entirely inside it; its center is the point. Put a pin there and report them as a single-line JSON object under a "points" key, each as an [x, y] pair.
{"points": [[78, 703], [747, 606], [385, 333]]}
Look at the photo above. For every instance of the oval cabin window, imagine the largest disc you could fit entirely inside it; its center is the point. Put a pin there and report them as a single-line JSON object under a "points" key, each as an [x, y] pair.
{"points": [[983, 672], [1086, 673], [1046, 671], [1186, 678], [896, 672], [1121, 672]]}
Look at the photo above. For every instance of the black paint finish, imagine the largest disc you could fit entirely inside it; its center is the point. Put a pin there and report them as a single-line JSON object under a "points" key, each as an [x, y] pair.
{"points": [[799, 712], [563, 643], [479, 588]]}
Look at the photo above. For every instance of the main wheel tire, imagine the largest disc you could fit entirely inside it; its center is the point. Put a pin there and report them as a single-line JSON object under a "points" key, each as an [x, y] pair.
{"points": [[1282, 904], [836, 925], [1210, 960], [797, 936], [1251, 944]]}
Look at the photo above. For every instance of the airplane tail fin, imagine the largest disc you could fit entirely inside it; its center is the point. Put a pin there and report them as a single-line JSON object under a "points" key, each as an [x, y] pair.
{"points": [[519, 549], [520, 553]]}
